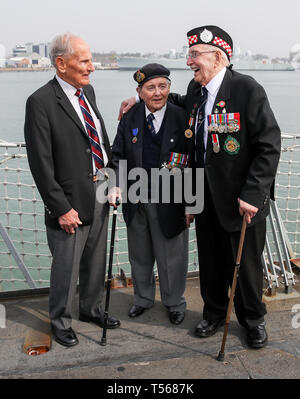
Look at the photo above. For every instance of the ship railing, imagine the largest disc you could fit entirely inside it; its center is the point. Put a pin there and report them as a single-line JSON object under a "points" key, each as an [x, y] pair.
{"points": [[25, 259]]}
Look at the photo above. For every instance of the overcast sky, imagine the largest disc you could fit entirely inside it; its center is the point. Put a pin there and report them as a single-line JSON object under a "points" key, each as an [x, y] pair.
{"points": [[263, 26]]}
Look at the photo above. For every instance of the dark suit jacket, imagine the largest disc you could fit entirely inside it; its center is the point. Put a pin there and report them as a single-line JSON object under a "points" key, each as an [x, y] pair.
{"points": [[59, 152], [250, 173], [171, 216]]}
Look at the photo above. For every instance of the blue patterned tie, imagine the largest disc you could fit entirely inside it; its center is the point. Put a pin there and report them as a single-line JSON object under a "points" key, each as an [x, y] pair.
{"points": [[150, 125], [200, 148]]}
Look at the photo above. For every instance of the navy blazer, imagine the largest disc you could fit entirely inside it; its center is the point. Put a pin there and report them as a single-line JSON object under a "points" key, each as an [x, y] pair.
{"points": [[171, 216], [59, 152]]}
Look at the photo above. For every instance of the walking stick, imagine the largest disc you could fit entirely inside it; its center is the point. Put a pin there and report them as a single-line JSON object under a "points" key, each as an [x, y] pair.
{"points": [[109, 274], [221, 355]]}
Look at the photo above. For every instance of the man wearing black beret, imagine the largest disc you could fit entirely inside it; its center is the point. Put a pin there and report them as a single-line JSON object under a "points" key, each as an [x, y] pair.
{"points": [[237, 142], [152, 136]]}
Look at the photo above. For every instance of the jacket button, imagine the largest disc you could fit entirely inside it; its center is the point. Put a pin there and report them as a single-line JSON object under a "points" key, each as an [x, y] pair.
{"points": [[90, 174], [88, 150]]}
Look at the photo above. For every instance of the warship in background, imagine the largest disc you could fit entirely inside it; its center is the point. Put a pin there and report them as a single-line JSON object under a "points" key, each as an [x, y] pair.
{"points": [[177, 61]]}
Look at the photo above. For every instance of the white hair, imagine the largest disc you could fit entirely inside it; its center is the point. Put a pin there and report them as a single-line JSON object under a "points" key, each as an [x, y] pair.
{"points": [[225, 60], [61, 45]]}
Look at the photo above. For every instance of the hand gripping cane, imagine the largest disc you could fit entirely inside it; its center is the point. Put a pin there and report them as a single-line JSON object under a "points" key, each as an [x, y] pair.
{"points": [[109, 273], [220, 357]]}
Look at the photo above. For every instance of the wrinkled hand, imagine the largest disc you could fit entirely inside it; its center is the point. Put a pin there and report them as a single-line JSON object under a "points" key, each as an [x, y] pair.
{"points": [[113, 194], [125, 106], [246, 209], [69, 221], [189, 219]]}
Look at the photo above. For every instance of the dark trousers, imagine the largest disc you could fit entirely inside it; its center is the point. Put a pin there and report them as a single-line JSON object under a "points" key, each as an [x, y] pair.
{"points": [[217, 251]]}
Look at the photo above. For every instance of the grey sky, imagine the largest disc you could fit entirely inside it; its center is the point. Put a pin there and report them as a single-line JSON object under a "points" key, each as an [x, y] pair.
{"points": [[263, 26]]}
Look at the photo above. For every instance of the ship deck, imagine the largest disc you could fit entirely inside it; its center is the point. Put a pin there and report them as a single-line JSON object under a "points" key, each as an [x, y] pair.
{"points": [[149, 347]]}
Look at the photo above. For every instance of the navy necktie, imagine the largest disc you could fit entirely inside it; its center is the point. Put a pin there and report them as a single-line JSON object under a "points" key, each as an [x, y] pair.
{"points": [[150, 125], [200, 148]]}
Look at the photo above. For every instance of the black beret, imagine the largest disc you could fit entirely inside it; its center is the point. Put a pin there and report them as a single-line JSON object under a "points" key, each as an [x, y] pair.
{"points": [[212, 35], [151, 71]]}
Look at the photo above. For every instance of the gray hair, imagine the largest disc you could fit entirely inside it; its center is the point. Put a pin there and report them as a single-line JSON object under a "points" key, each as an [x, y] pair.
{"points": [[61, 45]]}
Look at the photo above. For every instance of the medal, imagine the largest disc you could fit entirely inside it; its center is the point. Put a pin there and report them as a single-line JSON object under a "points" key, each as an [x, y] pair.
{"points": [[221, 128], [215, 142], [134, 133], [230, 128], [231, 146], [188, 133]]}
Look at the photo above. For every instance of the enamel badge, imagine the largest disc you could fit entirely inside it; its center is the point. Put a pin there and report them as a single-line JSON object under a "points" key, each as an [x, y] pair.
{"points": [[231, 146]]}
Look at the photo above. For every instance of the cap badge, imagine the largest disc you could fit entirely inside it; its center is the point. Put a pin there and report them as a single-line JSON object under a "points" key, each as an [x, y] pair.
{"points": [[206, 36], [140, 76]]}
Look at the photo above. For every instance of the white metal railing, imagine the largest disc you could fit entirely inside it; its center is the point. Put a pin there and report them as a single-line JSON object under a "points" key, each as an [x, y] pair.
{"points": [[24, 255]]}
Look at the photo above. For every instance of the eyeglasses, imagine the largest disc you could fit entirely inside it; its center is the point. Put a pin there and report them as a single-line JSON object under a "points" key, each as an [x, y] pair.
{"points": [[195, 54]]}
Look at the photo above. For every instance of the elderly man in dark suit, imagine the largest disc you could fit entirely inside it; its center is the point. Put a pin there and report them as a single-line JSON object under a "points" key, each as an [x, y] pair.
{"points": [[237, 142], [152, 135], [68, 147]]}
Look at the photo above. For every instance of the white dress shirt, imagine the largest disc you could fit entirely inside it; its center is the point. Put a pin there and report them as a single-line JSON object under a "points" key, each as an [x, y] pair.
{"points": [[70, 91], [158, 115], [212, 88]]}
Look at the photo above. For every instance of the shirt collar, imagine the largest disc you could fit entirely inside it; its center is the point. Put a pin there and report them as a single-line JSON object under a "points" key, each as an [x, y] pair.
{"points": [[214, 85], [67, 88], [158, 115]]}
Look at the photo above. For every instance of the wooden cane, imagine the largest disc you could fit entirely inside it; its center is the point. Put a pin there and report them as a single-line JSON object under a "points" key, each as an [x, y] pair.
{"points": [[233, 287]]}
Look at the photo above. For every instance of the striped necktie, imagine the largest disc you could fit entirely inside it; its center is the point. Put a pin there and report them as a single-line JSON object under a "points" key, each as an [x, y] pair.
{"points": [[200, 147], [91, 129], [150, 125]]}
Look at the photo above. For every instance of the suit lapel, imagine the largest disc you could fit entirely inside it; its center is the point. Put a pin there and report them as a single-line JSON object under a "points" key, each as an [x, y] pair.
{"points": [[223, 95], [138, 122], [63, 100]]}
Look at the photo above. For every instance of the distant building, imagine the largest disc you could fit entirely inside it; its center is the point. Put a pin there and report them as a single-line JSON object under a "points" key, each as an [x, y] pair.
{"points": [[2, 56], [42, 49], [19, 51]]}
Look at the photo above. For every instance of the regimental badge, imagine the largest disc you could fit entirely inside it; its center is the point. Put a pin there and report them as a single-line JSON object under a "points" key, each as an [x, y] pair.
{"points": [[206, 36], [231, 146], [188, 133], [140, 76]]}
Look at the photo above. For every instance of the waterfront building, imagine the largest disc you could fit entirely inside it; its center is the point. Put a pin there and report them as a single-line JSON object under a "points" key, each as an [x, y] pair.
{"points": [[19, 50], [41, 48]]}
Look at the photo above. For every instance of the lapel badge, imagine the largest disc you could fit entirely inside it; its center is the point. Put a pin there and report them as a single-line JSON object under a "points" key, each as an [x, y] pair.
{"points": [[221, 104]]}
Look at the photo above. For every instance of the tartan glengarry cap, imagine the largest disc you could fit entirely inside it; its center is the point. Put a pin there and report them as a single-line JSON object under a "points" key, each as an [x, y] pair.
{"points": [[212, 35], [150, 71]]}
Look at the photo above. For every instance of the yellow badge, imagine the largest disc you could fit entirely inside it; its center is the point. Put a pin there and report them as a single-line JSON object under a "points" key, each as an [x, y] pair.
{"points": [[140, 76]]}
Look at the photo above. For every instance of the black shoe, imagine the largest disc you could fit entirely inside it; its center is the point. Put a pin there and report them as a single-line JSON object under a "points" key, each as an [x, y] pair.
{"points": [[66, 337], [176, 317], [257, 337], [135, 311], [112, 322], [207, 328]]}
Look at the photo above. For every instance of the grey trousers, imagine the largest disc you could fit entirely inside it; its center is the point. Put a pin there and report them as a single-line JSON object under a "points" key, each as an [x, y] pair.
{"points": [[83, 255], [146, 243]]}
